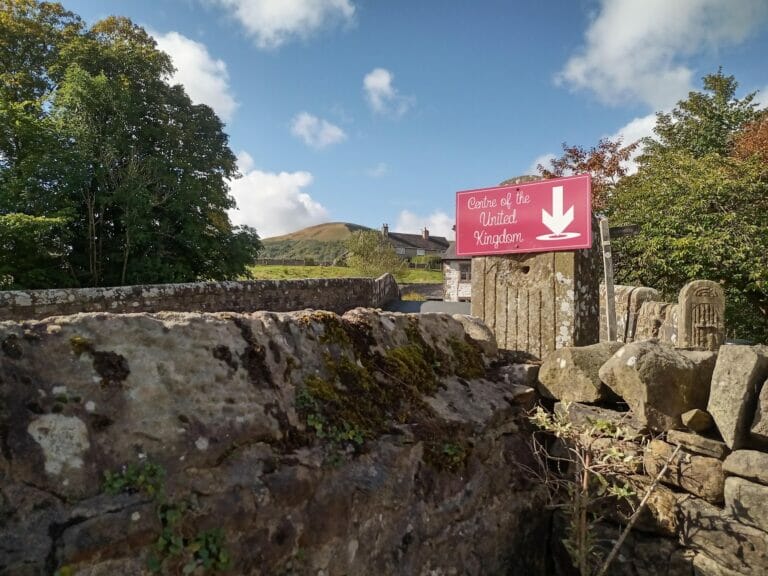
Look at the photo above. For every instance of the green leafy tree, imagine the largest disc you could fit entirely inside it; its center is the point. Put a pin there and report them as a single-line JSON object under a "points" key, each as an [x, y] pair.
{"points": [[703, 213], [369, 253], [705, 122], [92, 132], [33, 251]]}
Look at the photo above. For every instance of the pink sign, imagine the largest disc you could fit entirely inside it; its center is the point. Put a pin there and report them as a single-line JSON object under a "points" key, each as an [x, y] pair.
{"points": [[539, 216]]}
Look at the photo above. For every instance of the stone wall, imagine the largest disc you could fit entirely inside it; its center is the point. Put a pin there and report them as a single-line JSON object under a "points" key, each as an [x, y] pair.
{"points": [[702, 414], [455, 289], [696, 320], [334, 294], [269, 443]]}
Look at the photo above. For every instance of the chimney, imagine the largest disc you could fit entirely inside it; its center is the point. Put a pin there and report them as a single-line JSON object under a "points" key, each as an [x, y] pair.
{"points": [[385, 229], [425, 233]]}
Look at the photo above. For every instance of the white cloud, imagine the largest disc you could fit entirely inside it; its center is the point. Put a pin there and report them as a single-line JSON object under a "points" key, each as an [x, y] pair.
{"points": [[273, 202], [762, 97], [545, 160], [636, 129], [633, 131], [316, 132], [438, 223], [272, 23], [379, 171], [636, 50], [381, 94], [205, 78]]}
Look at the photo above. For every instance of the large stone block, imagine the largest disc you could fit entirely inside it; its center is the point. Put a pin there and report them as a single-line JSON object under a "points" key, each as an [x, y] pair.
{"points": [[736, 546], [698, 444], [699, 475], [538, 303], [366, 444], [749, 464], [759, 427], [659, 382], [747, 501], [703, 565], [571, 374], [736, 381]]}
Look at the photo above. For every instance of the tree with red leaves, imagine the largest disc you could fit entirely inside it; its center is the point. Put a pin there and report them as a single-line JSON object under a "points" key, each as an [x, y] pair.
{"points": [[606, 163]]}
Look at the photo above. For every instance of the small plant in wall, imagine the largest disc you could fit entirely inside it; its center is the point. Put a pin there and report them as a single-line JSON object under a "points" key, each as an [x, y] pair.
{"points": [[146, 477], [181, 547], [585, 468]]}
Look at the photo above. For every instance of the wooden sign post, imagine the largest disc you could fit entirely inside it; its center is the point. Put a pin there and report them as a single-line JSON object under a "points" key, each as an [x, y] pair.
{"points": [[610, 300]]}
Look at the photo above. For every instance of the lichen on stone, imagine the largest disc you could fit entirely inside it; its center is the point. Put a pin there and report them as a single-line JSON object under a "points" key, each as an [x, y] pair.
{"points": [[361, 393], [80, 345]]}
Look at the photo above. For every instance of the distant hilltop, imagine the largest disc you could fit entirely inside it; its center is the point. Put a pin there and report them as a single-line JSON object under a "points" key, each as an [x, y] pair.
{"points": [[326, 243], [327, 232], [321, 243]]}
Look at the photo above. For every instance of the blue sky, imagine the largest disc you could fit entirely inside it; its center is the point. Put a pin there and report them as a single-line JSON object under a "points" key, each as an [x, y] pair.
{"points": [[370, 111]]}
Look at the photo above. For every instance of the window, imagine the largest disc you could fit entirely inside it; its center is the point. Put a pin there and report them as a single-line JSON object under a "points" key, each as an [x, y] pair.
{"points": [[419, 252], [400, 251], [465, 271]]}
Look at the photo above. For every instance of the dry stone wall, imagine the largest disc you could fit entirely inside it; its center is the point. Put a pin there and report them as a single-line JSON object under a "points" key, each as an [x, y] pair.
{"points": [[696, 320], [700, 415], [334, 294], [264, 443]]}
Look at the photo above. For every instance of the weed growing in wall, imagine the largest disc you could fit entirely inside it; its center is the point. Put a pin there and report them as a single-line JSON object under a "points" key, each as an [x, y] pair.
{"points": [[180, 548], [586, 469], [145, 477]]}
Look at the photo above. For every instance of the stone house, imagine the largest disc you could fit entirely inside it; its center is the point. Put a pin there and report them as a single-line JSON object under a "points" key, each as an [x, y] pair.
{"points": [[408, 246], [457, 276]]}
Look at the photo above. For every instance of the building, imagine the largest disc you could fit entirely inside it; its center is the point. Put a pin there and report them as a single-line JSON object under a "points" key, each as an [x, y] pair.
{"points": [[407, 246], [457, 276]]}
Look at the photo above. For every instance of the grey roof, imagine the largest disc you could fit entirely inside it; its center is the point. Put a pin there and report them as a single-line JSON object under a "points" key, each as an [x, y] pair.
{"points": [[433, 243], [450, 253]]}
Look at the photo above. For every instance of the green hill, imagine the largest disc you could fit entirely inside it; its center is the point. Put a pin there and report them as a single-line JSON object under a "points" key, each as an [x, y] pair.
{"points": [[322, 243]]}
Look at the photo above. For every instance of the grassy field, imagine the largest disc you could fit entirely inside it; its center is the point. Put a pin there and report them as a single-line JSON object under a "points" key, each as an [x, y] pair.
{"points": [[299, 272]]}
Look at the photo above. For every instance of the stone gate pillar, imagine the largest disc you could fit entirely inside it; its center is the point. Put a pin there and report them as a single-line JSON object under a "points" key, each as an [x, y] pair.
{"points": [[538, 303], [701, 307]]}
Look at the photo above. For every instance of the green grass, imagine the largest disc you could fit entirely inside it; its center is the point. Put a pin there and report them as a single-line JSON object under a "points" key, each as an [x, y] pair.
{"points": [[299, 272]]}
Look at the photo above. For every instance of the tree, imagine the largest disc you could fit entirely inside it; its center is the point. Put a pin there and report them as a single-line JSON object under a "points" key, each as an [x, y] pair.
{"points": [[31, 37], [92, 132], [606, 163], [370, 253], [752, 140], [33, 252], [706, 121], [702, 212]]}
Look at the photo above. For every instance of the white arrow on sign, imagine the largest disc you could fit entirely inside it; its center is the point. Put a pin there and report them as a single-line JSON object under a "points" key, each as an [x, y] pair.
{"points": [[558, 220]]}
